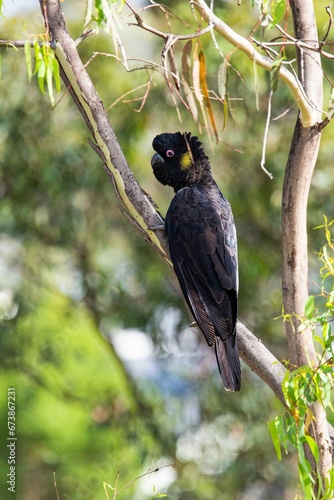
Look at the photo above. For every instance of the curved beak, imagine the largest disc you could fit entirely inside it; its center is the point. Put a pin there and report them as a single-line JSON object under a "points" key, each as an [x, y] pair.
{"points": [[156, 159]]}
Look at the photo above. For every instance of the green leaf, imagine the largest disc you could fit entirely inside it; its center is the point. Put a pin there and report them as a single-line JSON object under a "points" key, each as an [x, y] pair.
{"points": [[309, 307], [41, 76], [56, 74], [38, 57], [274, 437], [274, 73], [50, 84], [313, 447], [277, 12], [304, 466], [27, 53], [320, 341]]}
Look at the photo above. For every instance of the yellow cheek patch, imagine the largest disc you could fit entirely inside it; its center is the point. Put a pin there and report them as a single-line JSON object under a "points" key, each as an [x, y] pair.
{"points": [[185, 161]]}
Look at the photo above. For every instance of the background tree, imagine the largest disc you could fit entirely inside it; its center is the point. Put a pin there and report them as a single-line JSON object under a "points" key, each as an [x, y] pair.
{"points": [[76, 237]]}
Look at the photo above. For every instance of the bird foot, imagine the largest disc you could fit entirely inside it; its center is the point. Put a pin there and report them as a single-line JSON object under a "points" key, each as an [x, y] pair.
{"points": [[160, 227]]}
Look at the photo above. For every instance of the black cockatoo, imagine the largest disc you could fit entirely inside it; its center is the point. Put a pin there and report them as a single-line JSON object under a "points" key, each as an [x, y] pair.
{"points": [[203, 245]]}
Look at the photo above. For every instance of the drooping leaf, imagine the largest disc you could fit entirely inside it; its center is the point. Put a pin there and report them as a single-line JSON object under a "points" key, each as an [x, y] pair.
{"points": [[56, 74], [205, 91], [49, 83], [27, 53], [41, 76], [309, 307], [223, 79], [196, 75], [173, 67], [185, 62], [275, 438], [38, 57], [277, 11], [274, 73], [222, 87]]}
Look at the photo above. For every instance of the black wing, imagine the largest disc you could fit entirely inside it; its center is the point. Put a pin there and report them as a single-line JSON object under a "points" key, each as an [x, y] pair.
{"points": [[203, 249]]}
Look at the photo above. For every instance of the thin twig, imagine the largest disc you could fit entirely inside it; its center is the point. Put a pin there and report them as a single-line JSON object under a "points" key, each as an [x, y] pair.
{"points": [[265, 137], [55, 485], [329, 27], [84, 35]]}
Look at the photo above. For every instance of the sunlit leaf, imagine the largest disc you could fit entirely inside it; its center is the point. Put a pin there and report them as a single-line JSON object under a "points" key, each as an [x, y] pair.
{"points": [[41, 76], [185, 62], [320, 341], [223, 79], [274, 437], [27, 53], [56, 74], [277, 12], [274, 72], [50, 83], [196, 75], [309, 307], [38, 57]]}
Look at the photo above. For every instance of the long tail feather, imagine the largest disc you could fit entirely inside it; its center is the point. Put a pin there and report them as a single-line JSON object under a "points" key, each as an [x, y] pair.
{"points": [[229, 363]]}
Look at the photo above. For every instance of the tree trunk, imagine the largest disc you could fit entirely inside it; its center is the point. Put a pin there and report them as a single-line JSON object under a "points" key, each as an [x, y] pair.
{"points": [[298, 174]]}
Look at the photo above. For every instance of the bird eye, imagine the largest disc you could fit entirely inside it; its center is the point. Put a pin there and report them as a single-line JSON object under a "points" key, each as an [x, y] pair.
{"points": [[170, 153]]}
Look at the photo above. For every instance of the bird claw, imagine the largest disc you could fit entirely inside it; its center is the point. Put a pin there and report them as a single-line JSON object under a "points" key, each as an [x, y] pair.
{"points": [[160, 227]]}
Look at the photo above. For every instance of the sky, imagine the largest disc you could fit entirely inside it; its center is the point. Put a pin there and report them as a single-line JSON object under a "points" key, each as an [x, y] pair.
{"points": [[11, 7]]}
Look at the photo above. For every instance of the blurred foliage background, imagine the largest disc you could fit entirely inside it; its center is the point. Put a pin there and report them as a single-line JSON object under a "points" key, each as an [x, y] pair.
{"points": [[94, 333]]}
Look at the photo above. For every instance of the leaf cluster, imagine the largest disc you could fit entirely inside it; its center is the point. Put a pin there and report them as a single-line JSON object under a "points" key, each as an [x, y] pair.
{"points": [[46, 65]]}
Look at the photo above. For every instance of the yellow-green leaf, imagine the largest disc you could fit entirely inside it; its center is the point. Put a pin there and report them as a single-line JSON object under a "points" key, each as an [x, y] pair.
{"points": [[309, 307], [277, 11], [274, 73], [56, 74], [41, 76], [27, 53], [50, 84], [275, 438]]}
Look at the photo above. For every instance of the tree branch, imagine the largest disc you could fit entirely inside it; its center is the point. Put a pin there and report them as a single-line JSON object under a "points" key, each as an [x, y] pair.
{"points": [[308, 113]]}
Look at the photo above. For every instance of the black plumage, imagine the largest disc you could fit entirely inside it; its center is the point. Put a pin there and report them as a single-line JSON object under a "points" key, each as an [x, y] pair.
{"points": [[203, 245]]}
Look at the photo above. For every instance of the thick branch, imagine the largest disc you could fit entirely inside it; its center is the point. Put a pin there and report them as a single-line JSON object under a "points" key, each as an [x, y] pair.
{"points": [[308, 114], [261, 360]]}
